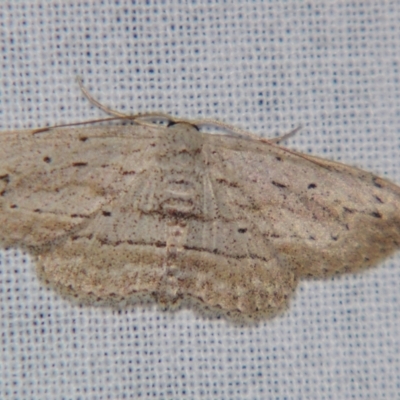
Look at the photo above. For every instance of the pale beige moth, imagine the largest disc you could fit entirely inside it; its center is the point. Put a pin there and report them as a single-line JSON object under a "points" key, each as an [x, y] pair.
{"points": [[229, 223]]}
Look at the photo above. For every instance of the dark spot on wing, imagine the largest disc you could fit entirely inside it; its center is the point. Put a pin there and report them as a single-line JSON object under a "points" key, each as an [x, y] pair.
{"points": [[376, 214], [242, 230], [5, 178], [83, 139], [279, 185], [13, 206], [348, 210], [380, 200], [76, 237], [374, 181], [279, 158], [311, 186], [107, 213], [47, 160], [79, 164], [227, 183]]}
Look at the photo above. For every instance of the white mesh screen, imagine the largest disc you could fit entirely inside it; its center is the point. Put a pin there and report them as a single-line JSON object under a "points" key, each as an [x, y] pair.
{"points": [[265, 66]]}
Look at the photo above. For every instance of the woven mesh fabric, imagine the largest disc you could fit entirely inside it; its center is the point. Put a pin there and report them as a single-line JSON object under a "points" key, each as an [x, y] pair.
{"points": [[265, 66]]}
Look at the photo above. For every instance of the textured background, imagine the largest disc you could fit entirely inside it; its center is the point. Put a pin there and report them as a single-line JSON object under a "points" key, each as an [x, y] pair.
{"points": [[265, 66]]}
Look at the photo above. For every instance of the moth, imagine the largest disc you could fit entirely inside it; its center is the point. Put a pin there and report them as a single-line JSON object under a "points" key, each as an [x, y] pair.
{"points": [[226, 223]]}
